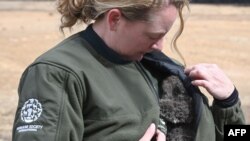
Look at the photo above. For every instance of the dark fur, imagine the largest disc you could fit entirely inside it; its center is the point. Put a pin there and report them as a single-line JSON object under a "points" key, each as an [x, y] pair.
{"points": [[176, 110]]}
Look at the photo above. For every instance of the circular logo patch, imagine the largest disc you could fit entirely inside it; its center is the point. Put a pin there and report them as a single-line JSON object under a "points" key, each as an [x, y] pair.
{"points": [[31, 110]]}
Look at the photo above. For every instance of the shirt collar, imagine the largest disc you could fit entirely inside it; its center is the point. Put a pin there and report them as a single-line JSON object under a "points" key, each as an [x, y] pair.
{"points": [[101, 47]]}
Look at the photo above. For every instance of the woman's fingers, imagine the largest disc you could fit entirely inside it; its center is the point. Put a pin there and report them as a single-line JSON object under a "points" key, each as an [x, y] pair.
{"points": [[212, 78], [149, 134], [160, 136]]}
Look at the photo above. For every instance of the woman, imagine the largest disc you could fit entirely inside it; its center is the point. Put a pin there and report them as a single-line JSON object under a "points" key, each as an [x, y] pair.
{"points": [[111, 82]]}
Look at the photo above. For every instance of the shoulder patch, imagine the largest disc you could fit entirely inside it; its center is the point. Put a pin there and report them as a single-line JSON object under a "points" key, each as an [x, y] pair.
{"points": [[31, 110]]}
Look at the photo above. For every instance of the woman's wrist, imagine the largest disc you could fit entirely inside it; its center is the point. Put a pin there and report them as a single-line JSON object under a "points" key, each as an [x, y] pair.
{"points": [[228, 102]]}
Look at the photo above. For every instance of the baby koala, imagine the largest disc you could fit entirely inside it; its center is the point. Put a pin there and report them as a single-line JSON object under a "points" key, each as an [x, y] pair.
{"points": [[176, 110]]}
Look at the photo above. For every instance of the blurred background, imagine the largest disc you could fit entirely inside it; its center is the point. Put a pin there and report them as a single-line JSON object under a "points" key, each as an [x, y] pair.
{"points": [[216, 31]]}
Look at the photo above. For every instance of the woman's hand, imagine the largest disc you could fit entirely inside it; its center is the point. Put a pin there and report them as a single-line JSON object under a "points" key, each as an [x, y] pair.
{"points": [[212, 78], [150, 133]]}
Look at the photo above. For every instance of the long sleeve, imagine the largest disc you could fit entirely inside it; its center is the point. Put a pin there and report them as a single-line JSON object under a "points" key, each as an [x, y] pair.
{"points": [[50, 105], [226, 115]]}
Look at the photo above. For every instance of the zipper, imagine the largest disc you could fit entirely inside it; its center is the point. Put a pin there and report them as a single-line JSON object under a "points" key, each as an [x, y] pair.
{"points": [[148, 80]]}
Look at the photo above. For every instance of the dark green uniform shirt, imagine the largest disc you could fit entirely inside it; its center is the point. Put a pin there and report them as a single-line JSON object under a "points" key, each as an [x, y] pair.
{"points": [[82, 90]]}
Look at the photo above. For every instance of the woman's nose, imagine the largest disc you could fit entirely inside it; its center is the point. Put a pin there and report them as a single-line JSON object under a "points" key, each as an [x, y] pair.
{"points": [[158, 45]]}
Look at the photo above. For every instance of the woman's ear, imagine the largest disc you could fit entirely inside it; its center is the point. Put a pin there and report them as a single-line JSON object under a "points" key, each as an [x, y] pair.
{"points": [[113, 18]]}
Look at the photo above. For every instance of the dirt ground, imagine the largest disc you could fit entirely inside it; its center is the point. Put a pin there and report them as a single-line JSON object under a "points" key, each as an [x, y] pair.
{"points": [[213, 34]]}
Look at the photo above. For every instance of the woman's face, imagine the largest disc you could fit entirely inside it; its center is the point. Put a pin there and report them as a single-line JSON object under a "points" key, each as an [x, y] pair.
{"points": [[135, 38]]}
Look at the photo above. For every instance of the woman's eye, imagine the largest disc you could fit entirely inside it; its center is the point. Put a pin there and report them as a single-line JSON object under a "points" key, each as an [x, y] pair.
{"points": [[153, 37]]}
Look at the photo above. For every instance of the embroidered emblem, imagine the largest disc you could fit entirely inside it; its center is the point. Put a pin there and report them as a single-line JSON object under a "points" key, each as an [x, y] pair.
{"points": [[31, 110]]}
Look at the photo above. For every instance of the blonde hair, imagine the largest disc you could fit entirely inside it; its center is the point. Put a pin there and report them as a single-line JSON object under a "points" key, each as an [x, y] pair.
{"points": [[74, 11]]}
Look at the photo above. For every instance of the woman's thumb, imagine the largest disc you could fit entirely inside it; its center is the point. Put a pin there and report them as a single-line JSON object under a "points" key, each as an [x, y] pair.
{"points": [[149, 133]]}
